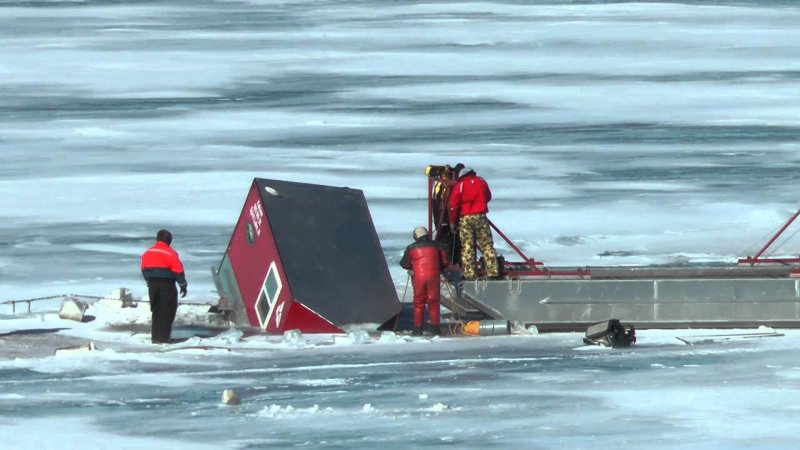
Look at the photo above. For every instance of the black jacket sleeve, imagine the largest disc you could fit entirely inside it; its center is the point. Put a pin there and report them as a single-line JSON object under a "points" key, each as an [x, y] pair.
{"points": [[404, 262]]}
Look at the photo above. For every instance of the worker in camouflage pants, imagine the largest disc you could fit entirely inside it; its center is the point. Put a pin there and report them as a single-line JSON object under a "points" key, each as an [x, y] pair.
{"points": [[469, 203], [474, 228]]}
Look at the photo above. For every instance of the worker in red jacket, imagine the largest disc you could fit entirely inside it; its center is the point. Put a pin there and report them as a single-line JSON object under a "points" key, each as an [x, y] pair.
{"points": [[426, 259], [469, 203], [162, 268]]}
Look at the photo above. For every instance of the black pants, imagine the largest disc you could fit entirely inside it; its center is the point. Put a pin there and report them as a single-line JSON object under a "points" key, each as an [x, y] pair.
{"points": [[163, 305]]}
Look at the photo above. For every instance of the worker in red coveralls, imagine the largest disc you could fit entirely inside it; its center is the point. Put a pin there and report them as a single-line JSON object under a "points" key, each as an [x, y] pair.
{"points": [[469, 203], [426, 259], [162, 268]]}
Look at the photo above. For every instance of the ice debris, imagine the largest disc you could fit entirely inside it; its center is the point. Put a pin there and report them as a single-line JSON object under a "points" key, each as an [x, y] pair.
{"points": [[358, 336], [276, 411], [294, 338], [83, 348], [72, 309]]}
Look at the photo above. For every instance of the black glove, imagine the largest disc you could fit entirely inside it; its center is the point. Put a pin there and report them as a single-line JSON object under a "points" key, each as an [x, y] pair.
{"points": [[183, 291]]}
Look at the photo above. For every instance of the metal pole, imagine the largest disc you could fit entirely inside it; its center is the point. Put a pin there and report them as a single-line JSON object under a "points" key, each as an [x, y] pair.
{"points": [[516, 249], [430, 206], [783, 228]]}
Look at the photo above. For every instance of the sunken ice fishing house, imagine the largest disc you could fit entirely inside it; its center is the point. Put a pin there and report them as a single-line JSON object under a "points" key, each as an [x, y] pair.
{"points": [[305, 256]]}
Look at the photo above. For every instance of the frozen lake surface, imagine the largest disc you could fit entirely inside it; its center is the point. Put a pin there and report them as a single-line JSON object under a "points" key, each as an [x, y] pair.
{"points": [[611, 133], [339, 391], [645, 132]]}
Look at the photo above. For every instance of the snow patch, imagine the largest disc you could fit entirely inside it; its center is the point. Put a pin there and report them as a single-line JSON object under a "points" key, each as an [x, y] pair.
{"points": [[290, 412], [439, 407], [324, 382]]}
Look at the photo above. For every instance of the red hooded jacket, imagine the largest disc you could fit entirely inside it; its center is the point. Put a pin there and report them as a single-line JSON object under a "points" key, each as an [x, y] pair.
{"points": [[470, 195]]}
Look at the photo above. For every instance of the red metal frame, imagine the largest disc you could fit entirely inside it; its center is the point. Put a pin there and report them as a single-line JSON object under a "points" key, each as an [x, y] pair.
{"points": [[529, 261], [757, 259]]}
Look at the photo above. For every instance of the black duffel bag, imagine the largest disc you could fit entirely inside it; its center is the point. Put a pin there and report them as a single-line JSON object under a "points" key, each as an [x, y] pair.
{"points": [[610, 333]]}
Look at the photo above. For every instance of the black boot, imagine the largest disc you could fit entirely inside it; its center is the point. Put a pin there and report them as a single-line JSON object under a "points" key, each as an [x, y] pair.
{"points": [[416, 331], [436, 330]]}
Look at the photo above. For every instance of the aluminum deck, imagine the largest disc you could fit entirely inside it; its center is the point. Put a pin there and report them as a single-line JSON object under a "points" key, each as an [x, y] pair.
{"points": [[675, 297]]}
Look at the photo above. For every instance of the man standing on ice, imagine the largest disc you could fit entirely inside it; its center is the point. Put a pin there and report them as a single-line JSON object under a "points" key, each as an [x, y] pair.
{"points": [[162, 268], [426, 259], [469, 203]]}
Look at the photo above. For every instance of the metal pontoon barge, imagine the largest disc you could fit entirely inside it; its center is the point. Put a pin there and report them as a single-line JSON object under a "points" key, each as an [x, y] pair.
{"points": [[754, 291]]}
